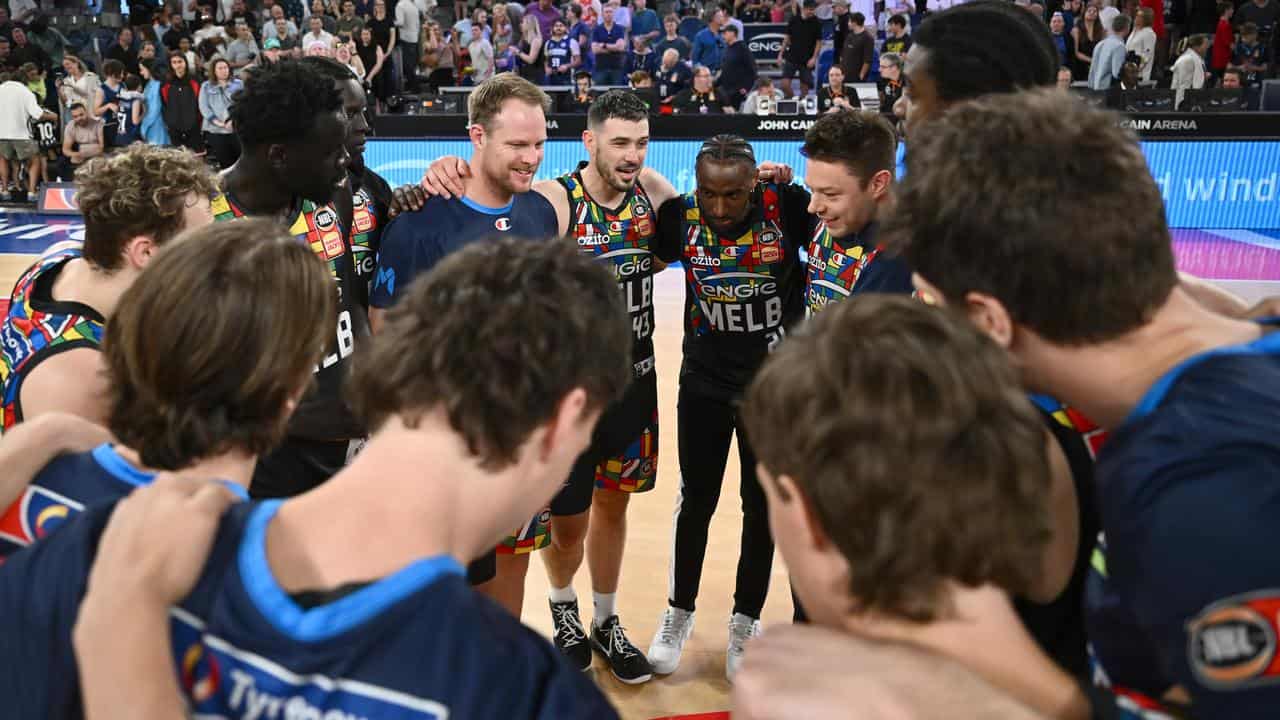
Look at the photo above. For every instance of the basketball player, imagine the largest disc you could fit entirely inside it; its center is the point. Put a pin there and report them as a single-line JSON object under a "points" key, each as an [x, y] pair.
{"points": [[507, 126], [1187, 393], [301, 611], [172, 385], [132, 202], [739, 242], [293, 169], [881, 426]]}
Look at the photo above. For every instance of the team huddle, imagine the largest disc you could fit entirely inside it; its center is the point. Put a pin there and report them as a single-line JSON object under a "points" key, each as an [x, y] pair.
{"points": [[281, 442]]}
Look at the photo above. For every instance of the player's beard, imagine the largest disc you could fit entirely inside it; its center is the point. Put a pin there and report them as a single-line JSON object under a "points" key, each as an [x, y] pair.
{"points": [[613, 176]]}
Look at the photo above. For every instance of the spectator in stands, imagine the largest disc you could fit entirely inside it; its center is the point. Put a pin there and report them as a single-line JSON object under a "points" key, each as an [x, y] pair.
{"points": [[180, 95], [327, 21], [1250, 55], [317, 34], [240, 13], [377, 73], [1188, 71], [345, 54], [896, 39], [408, 32], [504, 57], [1087, 33], [1062, 40], [1108, 57], [582, 30], [835, 96], [295, 10], [6, 58], [146, 54], [24, 11], [673, 76], [105, 104], [481, 53], [123, 50], [6, 23], [859, 48], [502, 26], [18, 109], [35, 81], [672, 39], [643, 58], [763, 100], [79, 85], [1233, 79], [1143, 42], [348, 22], [609, 45], [153, 129], [243, 50], [702, 97], [81, 140], [176, 32], [437, 58], [1224, 39], [751, 11], [738, 68], [289, 42], [269, 29], [383, 27], [561, 54], [889, 86], [215, 111], [1065, 78], [22, 51], [1263, 13], [645, 22], [1129, 80], [800, 48], [47, 38], [582, 96], [708, 46], [546, 13], [465, 28], [129, 116]]}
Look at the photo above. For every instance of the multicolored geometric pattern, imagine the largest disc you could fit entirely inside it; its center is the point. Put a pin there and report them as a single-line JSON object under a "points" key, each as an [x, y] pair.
{"points": [[29, 334], [364, 229], [1072, 419], [635, 469], [534, 535], [833, 269], [734, 272], [316, 225], [624, 239]]}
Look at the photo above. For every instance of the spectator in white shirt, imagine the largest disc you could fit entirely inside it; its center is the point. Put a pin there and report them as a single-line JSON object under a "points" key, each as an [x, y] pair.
{"points": [[1143, 42], [18, 105]]}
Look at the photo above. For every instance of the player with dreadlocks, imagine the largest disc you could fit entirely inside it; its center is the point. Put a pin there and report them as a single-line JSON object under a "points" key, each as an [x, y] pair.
{"points": [[739, 241]]}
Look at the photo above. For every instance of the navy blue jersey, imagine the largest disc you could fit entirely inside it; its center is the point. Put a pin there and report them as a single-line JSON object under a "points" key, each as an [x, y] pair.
{"points": [[64, 488], [416, 644], [840, 267], [415, 241], [1188, 592], [559, 53]]}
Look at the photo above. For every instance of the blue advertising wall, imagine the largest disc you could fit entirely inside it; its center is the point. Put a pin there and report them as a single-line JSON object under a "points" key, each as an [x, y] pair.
{"points": [[1222, 184]]}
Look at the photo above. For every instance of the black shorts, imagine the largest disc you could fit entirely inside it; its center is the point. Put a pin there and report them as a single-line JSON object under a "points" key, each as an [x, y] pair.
{"points": [[802, 70], [297, 466], [623, 454]]}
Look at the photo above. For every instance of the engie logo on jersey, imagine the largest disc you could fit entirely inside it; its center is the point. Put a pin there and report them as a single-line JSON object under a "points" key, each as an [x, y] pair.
{"points": [[1231, 644], [503, 224]]}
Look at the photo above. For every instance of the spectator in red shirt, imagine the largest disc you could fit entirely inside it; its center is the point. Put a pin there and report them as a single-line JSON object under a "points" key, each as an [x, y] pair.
{"points": [[1223, 40]]}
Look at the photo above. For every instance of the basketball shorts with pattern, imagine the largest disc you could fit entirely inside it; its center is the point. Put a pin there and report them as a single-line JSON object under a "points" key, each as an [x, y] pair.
{"points": [[623, 455]]}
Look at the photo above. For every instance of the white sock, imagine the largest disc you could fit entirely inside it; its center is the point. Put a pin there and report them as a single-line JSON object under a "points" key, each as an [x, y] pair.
{"points": [[562, 595], [604, 607]]}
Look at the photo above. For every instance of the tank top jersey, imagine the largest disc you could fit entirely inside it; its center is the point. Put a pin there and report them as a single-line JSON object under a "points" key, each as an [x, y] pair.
{"points": [[623, 238], [742, 289], [369, 204], [46, 134], [322, 414], [839, 267], [39, 327], [127, 131], [559, 53]]}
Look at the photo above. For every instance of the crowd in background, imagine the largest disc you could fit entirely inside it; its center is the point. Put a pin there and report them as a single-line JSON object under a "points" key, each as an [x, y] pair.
{"points": [[168, 74]]}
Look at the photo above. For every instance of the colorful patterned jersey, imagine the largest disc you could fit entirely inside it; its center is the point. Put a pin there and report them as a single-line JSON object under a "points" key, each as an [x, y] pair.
{"points": [[742, 287], [322, 414], [39, 327], [417, 644], [622, 237], [1073, 419], [370, 204], [839, 267]]}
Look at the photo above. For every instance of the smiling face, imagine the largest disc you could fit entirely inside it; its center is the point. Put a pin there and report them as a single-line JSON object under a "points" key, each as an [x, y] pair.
{"points": [[510, 148], [839, 198], [617, 149]]}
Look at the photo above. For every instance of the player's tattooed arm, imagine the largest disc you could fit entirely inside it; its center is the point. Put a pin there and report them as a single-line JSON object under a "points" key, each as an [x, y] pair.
{"points": [[28, 446], [446, 177], [149, 557]]}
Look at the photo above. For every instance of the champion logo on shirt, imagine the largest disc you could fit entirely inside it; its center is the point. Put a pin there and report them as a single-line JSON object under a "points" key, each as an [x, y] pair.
{"points": [[502, 223]]}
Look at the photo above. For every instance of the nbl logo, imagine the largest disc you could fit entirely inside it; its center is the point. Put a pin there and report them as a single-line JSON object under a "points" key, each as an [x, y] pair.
{"points": [[324, 218], [503, 224]]}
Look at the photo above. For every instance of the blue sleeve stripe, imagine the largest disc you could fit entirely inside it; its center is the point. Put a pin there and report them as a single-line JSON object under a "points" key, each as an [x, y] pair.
{"points": [[1268, 344]]}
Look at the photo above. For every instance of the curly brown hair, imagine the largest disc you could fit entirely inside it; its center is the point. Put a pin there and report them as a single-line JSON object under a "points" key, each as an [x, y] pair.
{"points": [[208, 345], [1044, 203], [907, 432], [495, 336], [141, 190]]}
